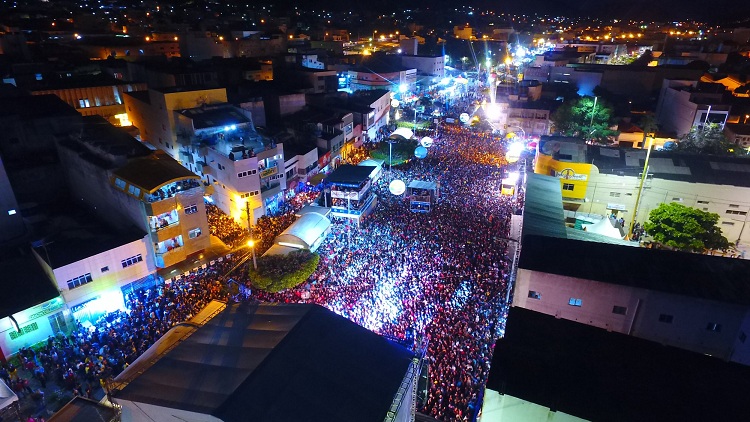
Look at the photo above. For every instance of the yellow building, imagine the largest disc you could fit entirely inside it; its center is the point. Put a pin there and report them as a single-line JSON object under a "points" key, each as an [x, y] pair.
{"points": [[604, 181]]}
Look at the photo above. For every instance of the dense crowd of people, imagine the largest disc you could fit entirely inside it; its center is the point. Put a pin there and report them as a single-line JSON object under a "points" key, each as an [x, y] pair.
{"points": [[224, 227], [442, 275]]}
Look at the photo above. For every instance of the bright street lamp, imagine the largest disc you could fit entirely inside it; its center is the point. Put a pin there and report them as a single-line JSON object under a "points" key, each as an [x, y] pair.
{"points": [[251, 245]]}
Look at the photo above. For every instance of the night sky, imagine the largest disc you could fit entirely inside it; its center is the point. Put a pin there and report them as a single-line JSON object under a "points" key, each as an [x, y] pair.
{"points": [[660, 10]]}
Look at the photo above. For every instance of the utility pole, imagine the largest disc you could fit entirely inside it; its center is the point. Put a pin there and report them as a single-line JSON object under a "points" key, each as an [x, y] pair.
{"points": [[640, 189]]}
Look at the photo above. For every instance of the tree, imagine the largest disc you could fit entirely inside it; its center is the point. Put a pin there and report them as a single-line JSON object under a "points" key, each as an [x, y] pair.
{"points": [[280, 272], [402, 151], [574, 118], [707, 140], [685, 228]]}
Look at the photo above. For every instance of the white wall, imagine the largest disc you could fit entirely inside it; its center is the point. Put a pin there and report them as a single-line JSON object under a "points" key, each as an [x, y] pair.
{"points": [[106, 284], [690, 316], [143, 412], [38, 315]]}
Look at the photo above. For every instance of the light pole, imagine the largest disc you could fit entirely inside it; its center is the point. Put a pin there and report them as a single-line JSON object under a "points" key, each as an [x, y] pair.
{"points": [[251, 244], [629, 234], [415, 119], [593, 110]]}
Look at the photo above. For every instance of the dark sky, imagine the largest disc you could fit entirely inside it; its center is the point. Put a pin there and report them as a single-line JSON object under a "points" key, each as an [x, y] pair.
{"points": [[661, 10]]}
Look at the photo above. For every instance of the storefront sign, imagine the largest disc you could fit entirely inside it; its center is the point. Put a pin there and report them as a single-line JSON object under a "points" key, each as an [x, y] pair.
{"points": [[268, 172], [616, 207], [569, 174]]}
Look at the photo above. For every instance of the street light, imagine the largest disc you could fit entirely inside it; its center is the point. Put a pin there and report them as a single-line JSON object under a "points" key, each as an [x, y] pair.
{"points": [[251, 244]]}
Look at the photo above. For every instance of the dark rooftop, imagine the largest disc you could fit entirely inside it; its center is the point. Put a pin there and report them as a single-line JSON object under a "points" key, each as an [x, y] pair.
{"points": [[154, 171], [31, 107], [24, 284], [349, 174], [598, 375], [276, 362], [141, 96], [71, 82], [74, 234], [696, 275], [215, 115]]}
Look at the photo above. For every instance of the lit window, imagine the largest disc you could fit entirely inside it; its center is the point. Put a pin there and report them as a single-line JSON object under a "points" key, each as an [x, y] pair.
{"points": [[131, 261], [194, 233], [11, 212], [191, 209], [535, 295], [574, 302]]}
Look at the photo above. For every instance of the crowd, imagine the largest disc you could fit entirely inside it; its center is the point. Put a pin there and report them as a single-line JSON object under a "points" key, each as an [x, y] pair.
{"points": [[442, 275], [224, 227]]}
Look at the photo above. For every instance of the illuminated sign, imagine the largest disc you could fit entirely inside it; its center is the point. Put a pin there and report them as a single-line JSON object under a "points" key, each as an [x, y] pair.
{"points": [[569, 174], [344, 194], [268, 172]]}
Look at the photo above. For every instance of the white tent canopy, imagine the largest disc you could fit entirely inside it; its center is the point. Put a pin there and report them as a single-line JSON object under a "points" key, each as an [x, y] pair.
{"points": [[7, 396], [306, 233], [603, 227], [403, 132]]}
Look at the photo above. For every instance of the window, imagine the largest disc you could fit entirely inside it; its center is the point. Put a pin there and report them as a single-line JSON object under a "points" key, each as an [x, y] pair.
{"points": [[667, 319], [220, 166], [712, 326], [134, 190], [703, 202], [104, 269], [568, 186], [11, 212], [131, 261], [735, 212], [733, 206], [79, 281], [619, 310], [677, 199], [574, 301], [727, 223], [194, 233], [120, 183], [614, 194], [191, 209], [535, 295]]}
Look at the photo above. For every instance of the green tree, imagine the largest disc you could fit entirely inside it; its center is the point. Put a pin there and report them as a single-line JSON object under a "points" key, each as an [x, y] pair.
{"points": [[280, 272], [402, 151], [586, 118], [707, 140], [685, 228]]}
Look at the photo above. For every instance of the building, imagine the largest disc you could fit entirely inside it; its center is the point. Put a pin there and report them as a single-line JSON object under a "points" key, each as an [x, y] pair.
{"points": [[127, 48], [152, 112], [128, 184], [370, 112], [739, 134], [691, 301], [28, 126], [432, 66], [11, 221], [598, 181], [686, 104], [31, 309], [551, 369], [92, 264], [531, 117], [300, 163], [382, 71], [89, 94], [219, 143], [229, 362]]}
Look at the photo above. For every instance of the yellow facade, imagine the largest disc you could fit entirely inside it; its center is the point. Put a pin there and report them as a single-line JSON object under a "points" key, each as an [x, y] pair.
{"points": [[574, 177]]}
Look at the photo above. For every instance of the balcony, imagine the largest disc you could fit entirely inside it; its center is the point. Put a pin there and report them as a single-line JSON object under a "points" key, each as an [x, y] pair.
{"points": [[166, 259], [165, 233]]}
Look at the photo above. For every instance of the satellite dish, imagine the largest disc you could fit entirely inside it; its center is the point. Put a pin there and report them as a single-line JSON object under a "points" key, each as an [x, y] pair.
{"points": [[426, 142], [420, 152], [397, 187], [464, 117]]}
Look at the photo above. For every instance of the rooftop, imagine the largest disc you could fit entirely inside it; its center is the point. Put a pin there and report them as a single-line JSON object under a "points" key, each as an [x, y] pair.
{"points": [[154, 171], [598, 375], [74, 235], [31, 107], [349, 174], [24, 283], [215, 115], [55, 82], [276, 362], [84, 410]]}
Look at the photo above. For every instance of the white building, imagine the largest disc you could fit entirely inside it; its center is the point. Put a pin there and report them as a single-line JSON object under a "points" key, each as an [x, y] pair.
{"points": [[691, 301], [93, 265], [433, 66], [684, 104], [219, 143]]}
